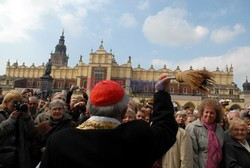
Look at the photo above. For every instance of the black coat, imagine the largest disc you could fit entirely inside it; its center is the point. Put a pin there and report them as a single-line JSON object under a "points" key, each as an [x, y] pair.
{"points": [[236, 156], [15, 138], [134, 144]]}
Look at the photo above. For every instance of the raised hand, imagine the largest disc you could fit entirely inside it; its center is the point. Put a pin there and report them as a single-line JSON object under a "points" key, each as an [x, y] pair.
{"points": [[163, 83]]}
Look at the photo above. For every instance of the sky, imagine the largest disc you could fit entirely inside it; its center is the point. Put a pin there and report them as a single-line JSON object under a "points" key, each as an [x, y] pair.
{"points": [[184, 33]]}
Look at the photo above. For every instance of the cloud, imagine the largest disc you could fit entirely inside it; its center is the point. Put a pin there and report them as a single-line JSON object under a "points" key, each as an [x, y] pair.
{"points": [[19, 18], [226, 34], [143, 5], [71, 23], [237, 57], [215, 14], [169, 28], [127, 20]]}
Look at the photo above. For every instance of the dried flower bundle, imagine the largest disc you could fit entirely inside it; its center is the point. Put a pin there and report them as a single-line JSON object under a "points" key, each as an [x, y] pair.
{"points": [[198, 79]]}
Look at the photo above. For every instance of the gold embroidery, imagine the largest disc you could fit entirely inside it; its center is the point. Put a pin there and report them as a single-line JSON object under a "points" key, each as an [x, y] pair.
{"points": [[92, 124]]}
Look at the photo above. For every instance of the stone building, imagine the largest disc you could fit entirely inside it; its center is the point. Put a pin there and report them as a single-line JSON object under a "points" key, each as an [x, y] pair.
{"points": [[137, 81], [59, 57], [245, 94]]}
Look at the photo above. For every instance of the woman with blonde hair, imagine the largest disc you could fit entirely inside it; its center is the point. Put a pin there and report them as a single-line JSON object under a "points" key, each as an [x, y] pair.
{"points": [[237, 150], [17, 128]]}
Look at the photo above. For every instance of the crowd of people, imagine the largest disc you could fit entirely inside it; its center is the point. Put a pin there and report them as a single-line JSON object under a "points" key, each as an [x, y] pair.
{"points": [[110, 129]]}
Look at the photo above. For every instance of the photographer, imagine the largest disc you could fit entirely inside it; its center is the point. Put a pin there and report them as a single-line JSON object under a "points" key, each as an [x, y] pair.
{"points": [[16, 130], [78, 109], [71, 91]]}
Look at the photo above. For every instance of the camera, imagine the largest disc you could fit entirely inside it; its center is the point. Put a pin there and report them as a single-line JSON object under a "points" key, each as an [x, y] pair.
{"points": [[81, 108], [19, 106], [78, 88]]}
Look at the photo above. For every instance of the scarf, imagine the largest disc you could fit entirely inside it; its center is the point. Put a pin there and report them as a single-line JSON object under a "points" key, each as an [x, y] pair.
{"points": [[214, 151], [65, 119], [97, 122]]}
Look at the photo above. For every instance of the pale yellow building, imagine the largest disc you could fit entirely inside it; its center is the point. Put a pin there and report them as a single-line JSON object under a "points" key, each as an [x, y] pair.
{"points": [[137, 81]]}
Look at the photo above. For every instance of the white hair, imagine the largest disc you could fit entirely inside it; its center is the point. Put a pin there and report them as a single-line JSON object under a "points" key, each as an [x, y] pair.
{"points": [[56, 101], [181, 112], [116, 110], [232, 111]]}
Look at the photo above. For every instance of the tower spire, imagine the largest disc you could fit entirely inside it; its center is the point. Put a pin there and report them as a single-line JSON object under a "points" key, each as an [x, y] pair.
{"points": [[59, 57]]}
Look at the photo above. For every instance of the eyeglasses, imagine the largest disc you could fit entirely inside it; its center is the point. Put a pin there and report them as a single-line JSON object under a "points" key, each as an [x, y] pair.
{"points": [[239, 130], [57, 108]]}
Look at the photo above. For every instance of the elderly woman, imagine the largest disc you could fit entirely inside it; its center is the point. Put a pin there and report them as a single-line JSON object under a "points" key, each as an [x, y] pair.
{"points": [[237, 150], [180, 155], [180, 117], [129, 116], [57, 121], [16, 130], [207, 136]]}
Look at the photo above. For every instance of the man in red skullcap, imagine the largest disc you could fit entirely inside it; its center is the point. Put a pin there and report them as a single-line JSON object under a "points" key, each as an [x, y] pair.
{"points": [[102, 141]]}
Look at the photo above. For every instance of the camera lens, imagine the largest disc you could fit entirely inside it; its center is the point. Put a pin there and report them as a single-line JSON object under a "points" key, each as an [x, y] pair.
{"points": [[23, 108]]}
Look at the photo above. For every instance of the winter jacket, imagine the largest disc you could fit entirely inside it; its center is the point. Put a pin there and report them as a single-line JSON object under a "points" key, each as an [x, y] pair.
{"points": [[199, 137]]}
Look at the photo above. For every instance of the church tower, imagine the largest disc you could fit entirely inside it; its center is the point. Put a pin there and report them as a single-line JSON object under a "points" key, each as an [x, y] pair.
{"points": [[59, 57], [246, 86]]}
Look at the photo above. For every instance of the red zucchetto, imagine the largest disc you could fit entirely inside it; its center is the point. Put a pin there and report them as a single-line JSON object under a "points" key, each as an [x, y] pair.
{"points": [[106, 93]]}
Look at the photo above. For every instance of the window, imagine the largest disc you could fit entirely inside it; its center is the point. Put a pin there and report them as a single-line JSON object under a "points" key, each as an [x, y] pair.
{"points": [[198, 92], [217, 91], [231, 91], [98, 74], [184, 90], [171, 89], [134, 88], [85, 84], [146, 85]]}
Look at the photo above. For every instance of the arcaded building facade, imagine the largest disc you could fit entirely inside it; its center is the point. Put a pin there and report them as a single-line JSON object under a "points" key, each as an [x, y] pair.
{"points": [[138, 82]]}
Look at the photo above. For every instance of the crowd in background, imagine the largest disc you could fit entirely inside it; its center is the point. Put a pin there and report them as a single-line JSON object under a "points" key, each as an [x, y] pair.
{"points": [[208, 136]]}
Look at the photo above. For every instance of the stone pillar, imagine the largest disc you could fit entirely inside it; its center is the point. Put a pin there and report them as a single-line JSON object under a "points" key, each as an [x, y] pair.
{"points": [[127, 88], [46, 83]]}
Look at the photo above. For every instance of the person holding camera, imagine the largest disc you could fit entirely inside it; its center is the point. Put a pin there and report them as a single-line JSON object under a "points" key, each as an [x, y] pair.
{"points": [[70, 93], [16, 132]]}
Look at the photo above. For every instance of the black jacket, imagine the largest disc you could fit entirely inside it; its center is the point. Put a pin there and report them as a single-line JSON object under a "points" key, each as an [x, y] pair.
{"points": [[15, 138], [236, 156], [133, 144]]}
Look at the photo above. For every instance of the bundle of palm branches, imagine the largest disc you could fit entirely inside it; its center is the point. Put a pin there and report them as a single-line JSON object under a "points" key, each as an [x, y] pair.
{"points": [[198, 79]]}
